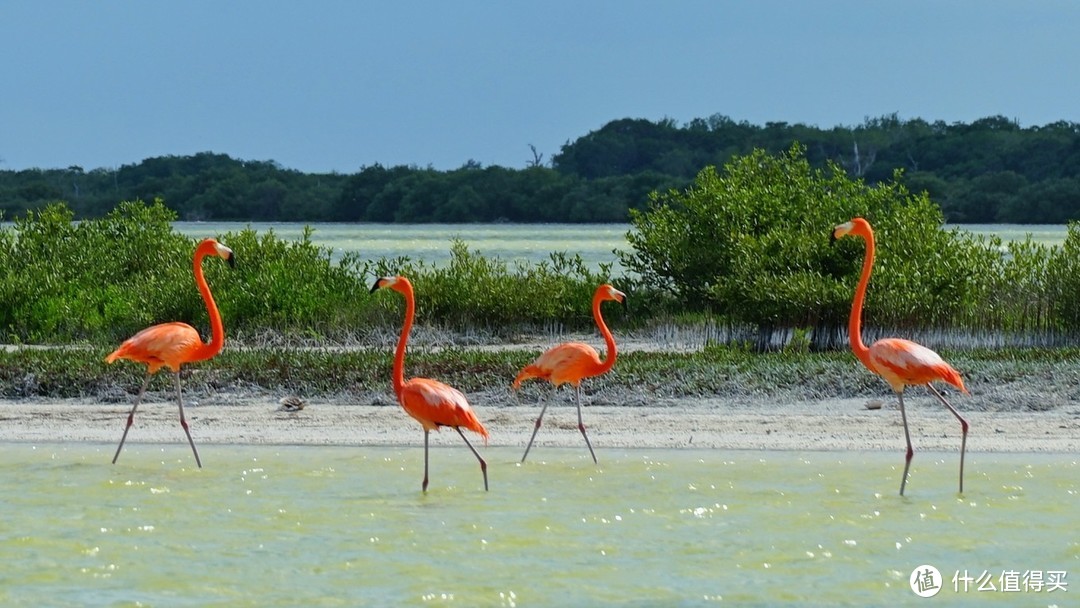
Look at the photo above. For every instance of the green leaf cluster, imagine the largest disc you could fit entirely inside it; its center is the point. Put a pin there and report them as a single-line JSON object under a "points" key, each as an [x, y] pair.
{"points": [[102, 280], [750, 243], [474, 291], [105, 279], [990, 170]]}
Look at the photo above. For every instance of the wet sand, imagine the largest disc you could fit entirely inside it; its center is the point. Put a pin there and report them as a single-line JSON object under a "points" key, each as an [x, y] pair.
{"points": [[844, 424]]}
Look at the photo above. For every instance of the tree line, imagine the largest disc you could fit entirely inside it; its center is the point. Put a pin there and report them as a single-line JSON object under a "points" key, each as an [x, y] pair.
{"points": [[991, 170], [745, 246]]}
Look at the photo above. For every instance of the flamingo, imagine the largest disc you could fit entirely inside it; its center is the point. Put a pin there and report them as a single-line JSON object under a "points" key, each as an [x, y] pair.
{"points": [[573, 362], [899, 362], [432, 403], [174, 344]]}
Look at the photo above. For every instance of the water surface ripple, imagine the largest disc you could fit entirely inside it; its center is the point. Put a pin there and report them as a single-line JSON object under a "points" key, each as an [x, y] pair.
{"points": [[348, 526]]}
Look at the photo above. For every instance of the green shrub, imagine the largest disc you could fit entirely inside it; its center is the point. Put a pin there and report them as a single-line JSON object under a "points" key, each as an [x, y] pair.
{"points": [[102, 280], [475, 291], [746, 247], [752, 244]]}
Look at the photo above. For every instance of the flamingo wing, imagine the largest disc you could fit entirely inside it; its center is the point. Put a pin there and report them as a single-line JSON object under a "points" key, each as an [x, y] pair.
{"points": [[167, 344], [903, 362], [434, 404], [568, 362]]}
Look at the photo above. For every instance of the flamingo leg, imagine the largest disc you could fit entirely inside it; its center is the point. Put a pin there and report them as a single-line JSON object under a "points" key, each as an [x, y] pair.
{"points": [[536, 428], [580, 425], [131, 416], [425, 484], [183, 421], [907, 436], [963, 428], [483, 464]]}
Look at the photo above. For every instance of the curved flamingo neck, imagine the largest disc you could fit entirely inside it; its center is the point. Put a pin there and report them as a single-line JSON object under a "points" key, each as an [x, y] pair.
{"points": [[855, 320], [399, 354], [217, 329], [609, 340]]}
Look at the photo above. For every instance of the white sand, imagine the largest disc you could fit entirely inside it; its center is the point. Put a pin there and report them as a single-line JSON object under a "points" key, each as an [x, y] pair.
{"points": [[712, 423]]}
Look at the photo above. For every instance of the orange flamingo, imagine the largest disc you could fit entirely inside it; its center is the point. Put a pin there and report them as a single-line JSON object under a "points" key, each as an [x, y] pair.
{"points": [[899, 362], [573, 362], [173, 344], [432, 403]]}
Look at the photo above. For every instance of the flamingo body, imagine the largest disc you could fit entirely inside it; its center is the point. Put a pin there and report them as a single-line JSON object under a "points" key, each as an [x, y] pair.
{"points": [[904, 363], [164, 345], [572, 362], [568, 362], [174, 344], [434, 404], [431, 403], [899, 362]]}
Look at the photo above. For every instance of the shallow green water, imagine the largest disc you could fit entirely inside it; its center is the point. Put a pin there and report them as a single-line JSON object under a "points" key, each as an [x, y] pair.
{"points": [[526, 243], [340, 526], [531, 243]]}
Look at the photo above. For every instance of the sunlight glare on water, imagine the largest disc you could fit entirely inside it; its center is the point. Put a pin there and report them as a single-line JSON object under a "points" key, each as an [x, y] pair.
{"points": [[340, 526]]}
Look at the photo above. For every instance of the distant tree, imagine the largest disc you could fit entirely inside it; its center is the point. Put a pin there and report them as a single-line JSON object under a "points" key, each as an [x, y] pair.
{"points": [[984, 171], [750, 242], [537, 158]]}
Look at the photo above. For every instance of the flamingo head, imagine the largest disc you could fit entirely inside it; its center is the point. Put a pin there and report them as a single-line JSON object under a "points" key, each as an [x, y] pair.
{"points": [[857, 226], [212, 247], [607, 292], [398, 283]]}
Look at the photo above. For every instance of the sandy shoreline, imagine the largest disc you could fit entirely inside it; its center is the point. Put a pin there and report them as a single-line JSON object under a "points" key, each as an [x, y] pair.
{"points": [[843, 424]]}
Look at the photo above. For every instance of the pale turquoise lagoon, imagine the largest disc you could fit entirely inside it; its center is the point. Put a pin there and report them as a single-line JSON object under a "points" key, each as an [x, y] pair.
{"points": [[348, 526]]}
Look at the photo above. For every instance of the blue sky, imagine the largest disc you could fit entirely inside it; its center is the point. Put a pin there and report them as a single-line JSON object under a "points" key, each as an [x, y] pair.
{"points": [[335, 85]]}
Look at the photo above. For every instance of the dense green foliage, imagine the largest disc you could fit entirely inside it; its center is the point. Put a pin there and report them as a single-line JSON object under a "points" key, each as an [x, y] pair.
{"points": [[751, 244], [991, 170], [102, 280], [201, 187], [492, 194], [746, 247]]}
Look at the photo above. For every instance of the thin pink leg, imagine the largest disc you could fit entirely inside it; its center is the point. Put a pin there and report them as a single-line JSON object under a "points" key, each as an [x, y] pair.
{"points": [[580, 425], [131, 417], [483, 464], [423, 486], [183, 421], [963, 429], [536, 428], [907, 436]]}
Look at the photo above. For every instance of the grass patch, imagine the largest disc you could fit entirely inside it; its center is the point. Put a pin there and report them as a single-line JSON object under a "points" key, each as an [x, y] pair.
{"points": [[712, 373]]}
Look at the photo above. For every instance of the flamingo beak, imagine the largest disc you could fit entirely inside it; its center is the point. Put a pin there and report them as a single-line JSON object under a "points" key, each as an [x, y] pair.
{"points": [[380, 283], [840, 231], [226, 254]]}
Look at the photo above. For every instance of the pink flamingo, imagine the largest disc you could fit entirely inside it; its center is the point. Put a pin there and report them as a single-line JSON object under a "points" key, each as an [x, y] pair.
{"points": [[174, 344], [573, 362], [432, 403], [900, 362]]}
